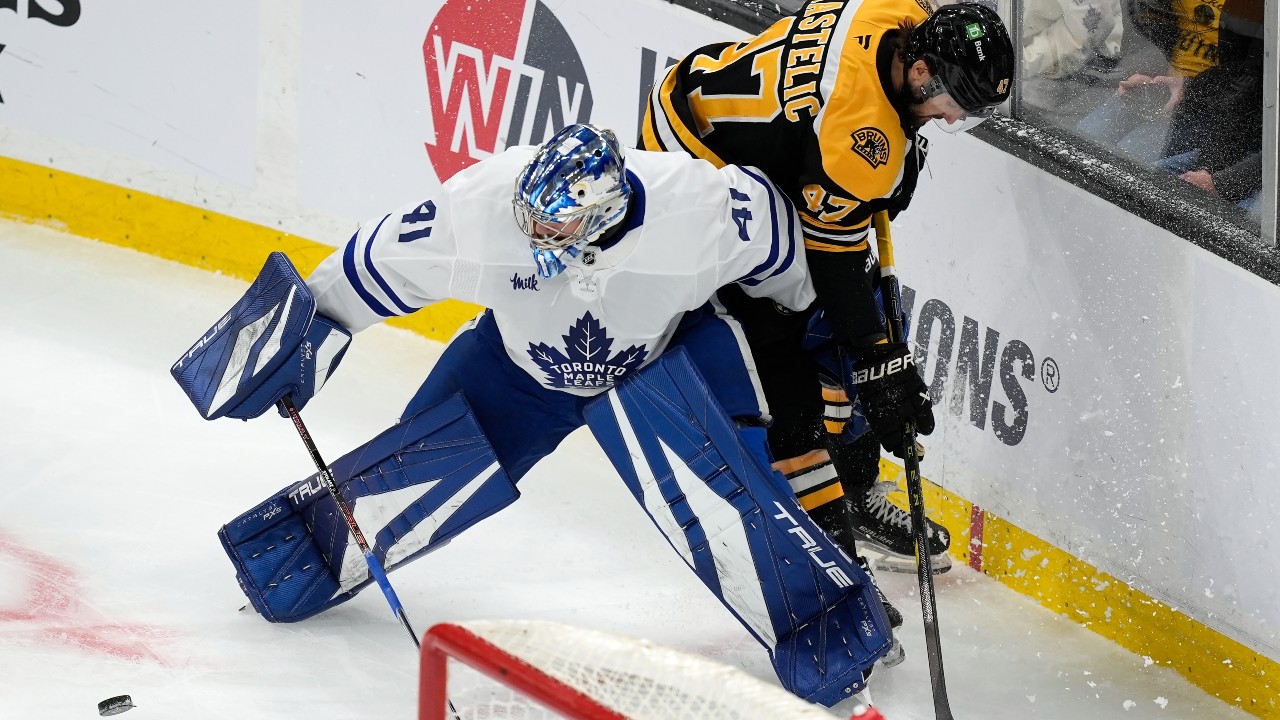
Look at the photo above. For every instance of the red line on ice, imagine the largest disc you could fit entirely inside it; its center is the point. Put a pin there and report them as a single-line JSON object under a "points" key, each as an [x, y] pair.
{"points": [[51, 601]]}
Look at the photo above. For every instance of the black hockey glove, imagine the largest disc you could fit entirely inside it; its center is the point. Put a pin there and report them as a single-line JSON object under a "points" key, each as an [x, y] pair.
{"points": [[891, 393]]}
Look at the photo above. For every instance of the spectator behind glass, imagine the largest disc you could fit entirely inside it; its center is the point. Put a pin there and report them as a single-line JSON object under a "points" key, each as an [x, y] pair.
{"points": [[1215, 139], [1068, 46], [1135, 121]]}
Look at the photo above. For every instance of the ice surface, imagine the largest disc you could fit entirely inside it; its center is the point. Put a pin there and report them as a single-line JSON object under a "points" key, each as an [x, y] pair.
{"points": [[112, 580]]}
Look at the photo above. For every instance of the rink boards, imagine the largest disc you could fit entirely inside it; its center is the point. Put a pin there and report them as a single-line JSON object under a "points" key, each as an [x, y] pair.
{"points": [[1105, 405]]}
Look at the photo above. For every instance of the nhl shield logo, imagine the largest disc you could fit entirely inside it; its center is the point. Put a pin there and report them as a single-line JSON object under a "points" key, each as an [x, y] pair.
{"points": [[872, 145]]}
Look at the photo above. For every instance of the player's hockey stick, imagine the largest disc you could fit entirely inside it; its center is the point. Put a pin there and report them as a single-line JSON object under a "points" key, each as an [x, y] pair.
{"points": [[375, 566], [915, 493]]}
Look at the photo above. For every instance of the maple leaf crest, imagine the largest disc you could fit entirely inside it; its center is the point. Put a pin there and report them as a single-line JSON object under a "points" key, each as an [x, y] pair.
{"points": [[584, 362], [1091, 19]]}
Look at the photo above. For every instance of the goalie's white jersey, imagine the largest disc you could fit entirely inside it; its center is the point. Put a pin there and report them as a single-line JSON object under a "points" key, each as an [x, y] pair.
{"points": [[692, 228]]}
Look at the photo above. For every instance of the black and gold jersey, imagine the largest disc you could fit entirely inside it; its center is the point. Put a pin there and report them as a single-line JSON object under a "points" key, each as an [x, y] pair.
{"points": [[803, 101]]}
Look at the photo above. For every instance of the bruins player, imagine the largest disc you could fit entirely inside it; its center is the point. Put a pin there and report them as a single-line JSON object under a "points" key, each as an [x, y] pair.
{"points": [[827, 103]]}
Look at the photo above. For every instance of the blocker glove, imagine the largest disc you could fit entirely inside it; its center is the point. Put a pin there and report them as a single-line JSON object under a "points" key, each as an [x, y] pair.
{"points": [[303, 372], [891, 393], [271, 343]]}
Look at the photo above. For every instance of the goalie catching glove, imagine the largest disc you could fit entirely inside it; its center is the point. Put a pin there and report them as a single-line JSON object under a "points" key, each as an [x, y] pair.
{"points": [[270, 344], [892, 393]]}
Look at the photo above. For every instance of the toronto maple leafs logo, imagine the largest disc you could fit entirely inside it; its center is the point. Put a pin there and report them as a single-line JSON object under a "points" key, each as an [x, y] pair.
{"points": [[1091, 19], [585, 362]]}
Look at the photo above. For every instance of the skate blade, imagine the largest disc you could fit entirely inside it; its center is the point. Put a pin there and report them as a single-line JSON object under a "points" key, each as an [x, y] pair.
{"points": [[895, 656], [899, 564]]}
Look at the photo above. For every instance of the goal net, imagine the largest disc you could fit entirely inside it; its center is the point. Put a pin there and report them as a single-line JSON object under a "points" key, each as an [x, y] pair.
{"points": [[527, 669]]}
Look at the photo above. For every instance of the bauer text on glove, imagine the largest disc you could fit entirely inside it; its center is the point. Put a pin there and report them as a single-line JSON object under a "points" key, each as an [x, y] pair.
{"points": [[892, 393]]}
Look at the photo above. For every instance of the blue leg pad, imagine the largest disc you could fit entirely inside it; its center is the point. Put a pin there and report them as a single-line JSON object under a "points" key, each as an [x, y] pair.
{"points": [[412, 489], [708, 487]]}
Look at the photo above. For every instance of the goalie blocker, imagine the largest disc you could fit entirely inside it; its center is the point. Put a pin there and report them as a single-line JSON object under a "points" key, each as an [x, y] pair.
{"points": [[271, 343]]}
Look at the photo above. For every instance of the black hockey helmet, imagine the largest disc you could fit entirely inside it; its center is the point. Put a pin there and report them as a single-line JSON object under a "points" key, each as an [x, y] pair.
{"points": [[967, 48]]}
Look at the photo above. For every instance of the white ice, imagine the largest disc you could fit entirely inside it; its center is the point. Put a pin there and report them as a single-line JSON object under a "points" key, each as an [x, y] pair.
{"points": [[112, 580]]}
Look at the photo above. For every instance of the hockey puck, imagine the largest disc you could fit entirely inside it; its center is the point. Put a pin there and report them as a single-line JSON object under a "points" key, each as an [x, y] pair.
{"points": [[115, 705]]}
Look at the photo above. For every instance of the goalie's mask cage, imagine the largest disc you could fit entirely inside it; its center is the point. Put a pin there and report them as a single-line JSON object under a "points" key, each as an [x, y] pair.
{"points": [[526, 669], [571, 192]]}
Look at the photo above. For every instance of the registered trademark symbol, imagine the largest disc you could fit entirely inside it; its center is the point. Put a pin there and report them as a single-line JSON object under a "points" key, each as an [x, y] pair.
{"points": [[1049, 375]]}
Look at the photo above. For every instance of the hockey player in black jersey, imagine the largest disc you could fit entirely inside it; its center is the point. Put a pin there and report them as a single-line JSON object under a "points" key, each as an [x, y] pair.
{"points": [[828, 103]]}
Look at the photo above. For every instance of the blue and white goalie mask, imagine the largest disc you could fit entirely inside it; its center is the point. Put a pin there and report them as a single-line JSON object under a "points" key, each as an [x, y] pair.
{"points": [[570, 194]]}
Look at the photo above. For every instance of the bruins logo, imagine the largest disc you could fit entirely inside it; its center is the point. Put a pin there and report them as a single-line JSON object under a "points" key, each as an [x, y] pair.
{"points": [[872, 145]]}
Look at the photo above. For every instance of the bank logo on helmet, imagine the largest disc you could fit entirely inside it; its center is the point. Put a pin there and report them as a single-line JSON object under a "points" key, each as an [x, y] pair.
{"points": [[499, 73]]}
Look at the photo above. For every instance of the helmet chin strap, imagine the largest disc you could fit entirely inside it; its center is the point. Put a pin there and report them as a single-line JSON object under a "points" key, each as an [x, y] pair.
{"points": [[933, 88]]}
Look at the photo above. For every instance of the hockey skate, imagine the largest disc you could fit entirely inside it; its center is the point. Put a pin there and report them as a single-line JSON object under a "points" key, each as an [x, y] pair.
{"points": [[884, 530]]}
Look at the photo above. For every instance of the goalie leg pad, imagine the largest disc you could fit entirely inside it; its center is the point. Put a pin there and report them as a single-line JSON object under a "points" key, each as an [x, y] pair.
{"points": [[707, 485], [412, 489], [278, 564]]}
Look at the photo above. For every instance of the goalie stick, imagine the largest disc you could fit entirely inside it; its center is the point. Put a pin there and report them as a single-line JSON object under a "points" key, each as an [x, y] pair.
{"points": [[375, 567], [915, 493], [326, 476]]}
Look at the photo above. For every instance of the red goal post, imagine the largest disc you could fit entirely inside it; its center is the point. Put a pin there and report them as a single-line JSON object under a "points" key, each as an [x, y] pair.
{"points": [[530, 669]]}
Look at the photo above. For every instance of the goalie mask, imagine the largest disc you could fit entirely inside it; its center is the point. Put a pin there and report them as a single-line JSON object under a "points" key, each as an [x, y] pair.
{"points": [[971, 57], [571, 193]]}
